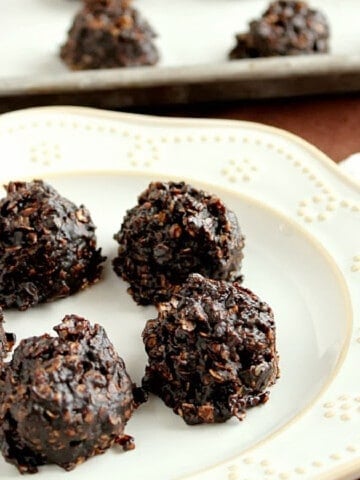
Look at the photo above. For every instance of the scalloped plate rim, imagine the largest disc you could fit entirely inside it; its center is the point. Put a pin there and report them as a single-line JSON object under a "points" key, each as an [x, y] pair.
{"points": [[347, 468]]}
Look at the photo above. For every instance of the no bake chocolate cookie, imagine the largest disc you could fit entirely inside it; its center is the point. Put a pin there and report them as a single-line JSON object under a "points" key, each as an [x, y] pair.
{"points": [[175, 230], [211, 351], [109, 34], [47, 246], [287, 27], [64, 399]]}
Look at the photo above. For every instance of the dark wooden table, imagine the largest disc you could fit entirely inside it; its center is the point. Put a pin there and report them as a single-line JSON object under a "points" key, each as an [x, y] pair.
{"points": [[332, 123]]}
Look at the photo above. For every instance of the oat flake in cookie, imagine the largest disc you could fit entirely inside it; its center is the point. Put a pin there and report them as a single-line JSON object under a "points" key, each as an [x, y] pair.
{"points": [[175, 230], [7, 340], [47, 246], [287, 27], [64, 399], [109, 34], [211, 351]]}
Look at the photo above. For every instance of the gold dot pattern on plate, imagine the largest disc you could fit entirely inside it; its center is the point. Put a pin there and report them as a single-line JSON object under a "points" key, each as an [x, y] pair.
{"points": [[300, 470], [357, 340], [233, 472], [308, 172], [239, 170], [269, 472], [248, 462], [266, 470], [318, 208], [351, 448], [284, 476], [355, 267], [143, 153], [342, 408], [148, 159], [324, 194], [45, 153], [350, 205]]}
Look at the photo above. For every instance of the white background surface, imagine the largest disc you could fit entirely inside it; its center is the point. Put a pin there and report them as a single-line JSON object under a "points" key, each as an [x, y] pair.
{"points": [[190, 31]]}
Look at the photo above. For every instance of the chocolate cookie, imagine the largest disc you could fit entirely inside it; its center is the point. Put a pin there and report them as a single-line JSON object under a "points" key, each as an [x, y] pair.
{"points": [[212, 351], [47, 246], [175, 230], [287, 27], [64, 399], [109, 34]]}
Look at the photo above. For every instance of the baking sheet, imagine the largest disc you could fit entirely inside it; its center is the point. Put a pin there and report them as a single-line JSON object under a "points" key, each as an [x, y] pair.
{"points": [[195, 37]]}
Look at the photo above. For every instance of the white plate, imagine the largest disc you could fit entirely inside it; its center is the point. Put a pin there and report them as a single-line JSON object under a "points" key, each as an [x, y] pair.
{"points": [[304, 259]]}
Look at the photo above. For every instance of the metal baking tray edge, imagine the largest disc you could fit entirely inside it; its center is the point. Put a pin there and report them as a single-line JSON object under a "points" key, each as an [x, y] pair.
{"points": [[146, 86]]}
